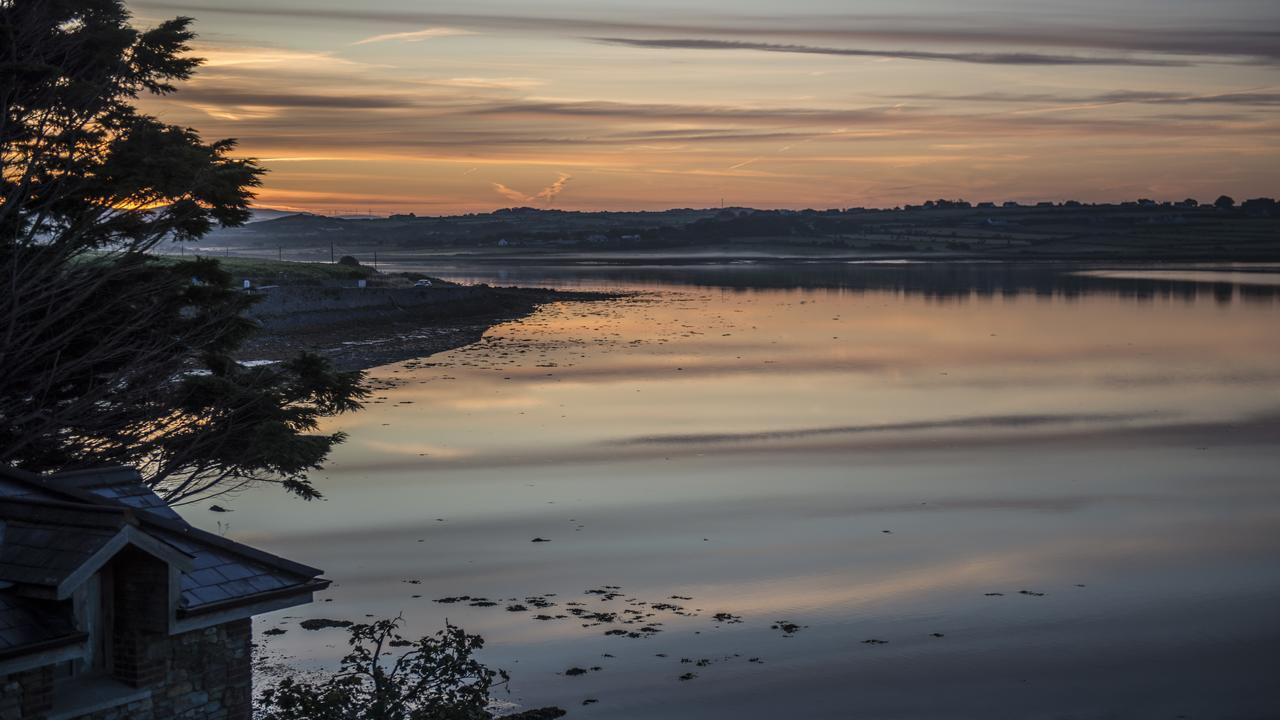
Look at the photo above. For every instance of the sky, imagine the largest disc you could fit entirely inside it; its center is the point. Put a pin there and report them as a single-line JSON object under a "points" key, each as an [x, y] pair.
{"points": [[449, 107]]}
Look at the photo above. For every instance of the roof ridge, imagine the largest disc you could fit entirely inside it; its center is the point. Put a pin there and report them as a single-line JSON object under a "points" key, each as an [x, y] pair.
{"points": [[182, 527], [121, 516]]}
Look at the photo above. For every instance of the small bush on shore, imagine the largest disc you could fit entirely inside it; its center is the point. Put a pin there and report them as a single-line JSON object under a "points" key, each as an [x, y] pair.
{"points": [[434, 678]]}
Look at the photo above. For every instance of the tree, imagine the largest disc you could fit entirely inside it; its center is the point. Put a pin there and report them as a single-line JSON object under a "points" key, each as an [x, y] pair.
{"points": [[1224, 202], [109, 354], [1261, 207], [435, 678]]}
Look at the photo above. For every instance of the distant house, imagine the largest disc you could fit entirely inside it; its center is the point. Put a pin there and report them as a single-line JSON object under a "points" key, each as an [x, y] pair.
{"points": [[112, 606]]}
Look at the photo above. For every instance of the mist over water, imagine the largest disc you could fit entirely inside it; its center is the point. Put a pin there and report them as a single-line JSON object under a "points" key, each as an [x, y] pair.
{"points": [[1049, 491]]}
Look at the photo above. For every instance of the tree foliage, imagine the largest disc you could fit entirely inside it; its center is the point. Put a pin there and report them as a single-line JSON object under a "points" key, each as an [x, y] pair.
{"points": [[434, 678], [108, 355]]}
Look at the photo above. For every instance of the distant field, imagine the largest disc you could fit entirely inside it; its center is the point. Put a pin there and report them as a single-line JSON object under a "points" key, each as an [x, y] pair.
{"points": [[262, 270]]}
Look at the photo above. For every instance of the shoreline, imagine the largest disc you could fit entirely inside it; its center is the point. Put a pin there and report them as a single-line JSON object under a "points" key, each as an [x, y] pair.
{"points": [[380, 336], [782, 256]]}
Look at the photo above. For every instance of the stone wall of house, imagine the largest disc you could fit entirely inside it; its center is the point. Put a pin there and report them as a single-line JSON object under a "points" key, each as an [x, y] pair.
{"points": [[10, 699], [26, 694], [137, 710], [210, 675], [207, 676]]}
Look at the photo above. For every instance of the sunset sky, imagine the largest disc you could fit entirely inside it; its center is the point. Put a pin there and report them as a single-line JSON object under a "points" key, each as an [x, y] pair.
{"points": [[446, 107]]}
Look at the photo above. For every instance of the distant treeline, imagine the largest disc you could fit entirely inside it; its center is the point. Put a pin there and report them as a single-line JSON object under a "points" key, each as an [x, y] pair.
{"points": [[948, 226]]}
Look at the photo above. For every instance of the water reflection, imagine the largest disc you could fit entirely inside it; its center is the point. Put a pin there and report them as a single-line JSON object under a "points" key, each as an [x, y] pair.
{"points": [[939, 281], [836, 448]]}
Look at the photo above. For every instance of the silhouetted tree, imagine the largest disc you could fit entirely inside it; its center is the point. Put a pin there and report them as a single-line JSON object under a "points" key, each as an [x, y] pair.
{"points": [[1262, 206], [109, 355], [1224, 202]]}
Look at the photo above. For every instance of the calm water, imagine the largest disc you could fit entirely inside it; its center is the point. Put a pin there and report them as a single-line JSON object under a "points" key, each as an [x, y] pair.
{"points": [[871, 452]]}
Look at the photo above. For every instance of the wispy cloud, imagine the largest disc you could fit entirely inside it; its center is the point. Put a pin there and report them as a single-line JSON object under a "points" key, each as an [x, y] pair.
{"points": [[541, 132], [415, 35], [222, 57], [486, 83], [546, 194], [982, 58], [550, 192], [1116, 97], [1191, 38], [511, 194], [235, 96], [678, 111]]}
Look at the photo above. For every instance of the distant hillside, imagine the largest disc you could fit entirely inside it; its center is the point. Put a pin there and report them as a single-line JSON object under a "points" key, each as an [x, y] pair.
{"points": [[1142, 229], [263, 214]]}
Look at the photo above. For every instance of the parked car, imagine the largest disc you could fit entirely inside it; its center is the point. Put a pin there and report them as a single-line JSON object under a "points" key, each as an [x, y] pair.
{"points": [[422, 283]]}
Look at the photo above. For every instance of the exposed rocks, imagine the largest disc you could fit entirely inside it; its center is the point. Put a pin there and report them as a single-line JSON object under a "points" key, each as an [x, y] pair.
{"points": [[323, 623], [787, 627], [547, 713]]}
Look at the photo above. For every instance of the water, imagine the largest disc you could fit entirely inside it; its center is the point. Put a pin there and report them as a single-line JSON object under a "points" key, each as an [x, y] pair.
{"points": [[871, 452]]}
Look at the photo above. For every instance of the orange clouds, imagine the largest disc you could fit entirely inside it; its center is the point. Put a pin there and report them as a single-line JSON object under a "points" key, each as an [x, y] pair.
{"points": [[352, 108]]}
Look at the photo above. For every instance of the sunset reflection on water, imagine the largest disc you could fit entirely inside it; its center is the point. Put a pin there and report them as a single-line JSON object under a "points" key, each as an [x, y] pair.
{"points": [[874, 463]]}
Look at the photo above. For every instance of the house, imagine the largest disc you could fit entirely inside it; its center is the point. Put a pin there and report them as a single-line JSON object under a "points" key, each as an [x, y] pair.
{"points": [[112, 606]]}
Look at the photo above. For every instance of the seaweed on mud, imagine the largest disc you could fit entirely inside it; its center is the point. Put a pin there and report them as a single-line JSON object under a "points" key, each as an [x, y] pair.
{"points": [[323, 623]]}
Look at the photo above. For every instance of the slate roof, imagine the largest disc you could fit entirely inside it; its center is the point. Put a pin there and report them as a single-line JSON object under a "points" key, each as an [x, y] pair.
{"points": [[223, 572], [220, 576], [120, 484], [43, 543], [25, 623]]}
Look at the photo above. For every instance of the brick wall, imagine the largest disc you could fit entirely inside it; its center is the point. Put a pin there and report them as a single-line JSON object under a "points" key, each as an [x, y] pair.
{"points": [[141, 623]]}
